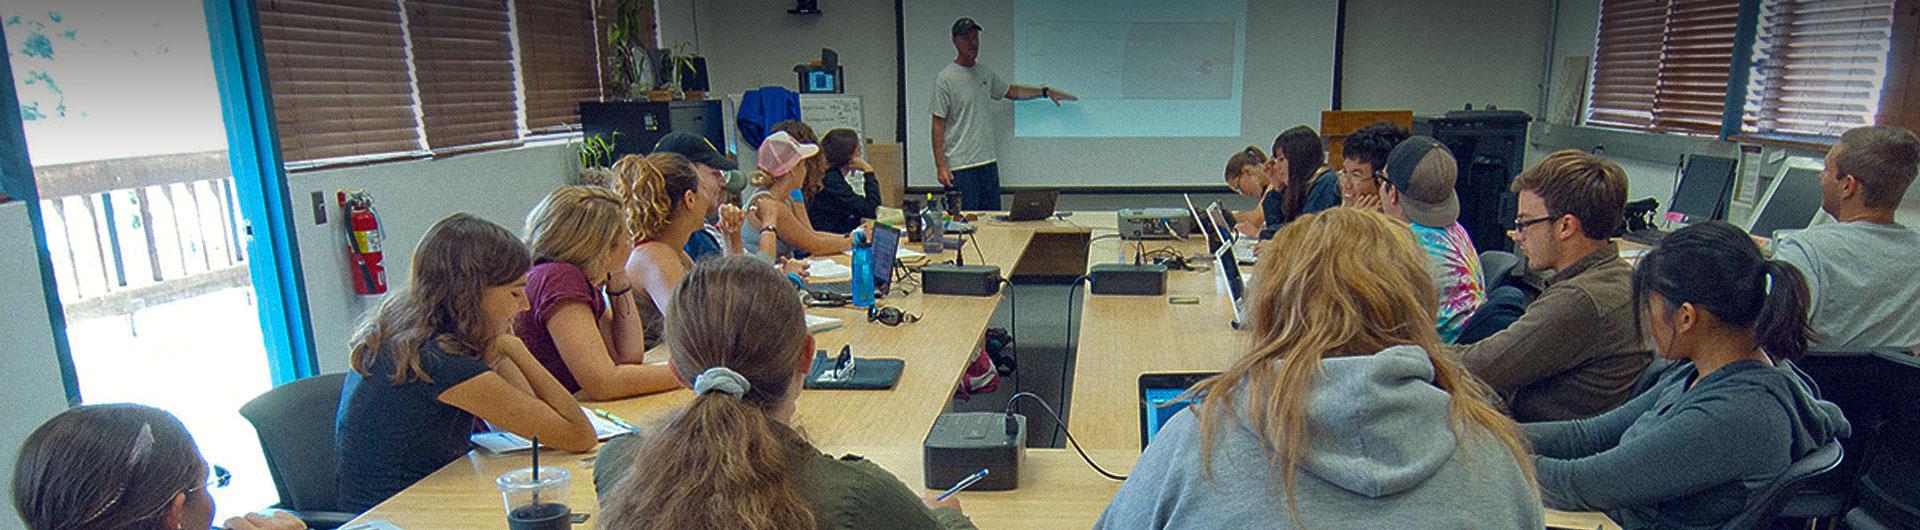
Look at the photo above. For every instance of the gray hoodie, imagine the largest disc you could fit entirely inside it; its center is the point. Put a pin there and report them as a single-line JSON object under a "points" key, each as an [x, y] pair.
{"points": [[1382, 454], [1679, 457]]}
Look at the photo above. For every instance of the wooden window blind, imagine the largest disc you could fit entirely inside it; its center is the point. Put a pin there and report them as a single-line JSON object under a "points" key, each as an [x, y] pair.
{"points": [[338, 72], [1820, 67], [558, 61], [463, 56], [1663, 65]]}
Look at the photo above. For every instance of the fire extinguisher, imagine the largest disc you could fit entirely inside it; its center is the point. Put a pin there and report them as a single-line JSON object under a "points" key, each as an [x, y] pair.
{"points": [[363, 242]]}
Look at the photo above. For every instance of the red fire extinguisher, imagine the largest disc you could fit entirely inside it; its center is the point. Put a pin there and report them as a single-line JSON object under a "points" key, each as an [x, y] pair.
{"points": [[363, 242]]}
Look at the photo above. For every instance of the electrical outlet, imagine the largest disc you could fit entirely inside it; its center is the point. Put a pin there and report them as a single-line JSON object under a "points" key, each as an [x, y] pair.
{"points": [[319, 207]]}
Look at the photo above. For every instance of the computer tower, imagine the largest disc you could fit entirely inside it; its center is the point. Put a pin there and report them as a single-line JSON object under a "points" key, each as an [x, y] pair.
{"points": [[1490, 146]]}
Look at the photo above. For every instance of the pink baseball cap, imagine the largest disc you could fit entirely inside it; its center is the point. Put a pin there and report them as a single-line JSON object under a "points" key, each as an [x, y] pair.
{"points": [[779, 153]]}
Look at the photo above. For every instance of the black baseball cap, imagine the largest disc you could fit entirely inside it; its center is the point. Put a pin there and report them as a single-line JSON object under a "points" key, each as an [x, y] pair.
{"points": [[696, 148], [964, 25]]}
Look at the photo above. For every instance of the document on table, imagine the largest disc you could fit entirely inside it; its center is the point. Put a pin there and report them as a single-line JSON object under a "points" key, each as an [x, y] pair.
{"points": [[498, 442], [826, 268]]}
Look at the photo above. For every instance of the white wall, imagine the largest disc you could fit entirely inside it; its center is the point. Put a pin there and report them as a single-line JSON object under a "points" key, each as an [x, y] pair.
{"points": [[34, 391], [1433, 56], [499, 186], [754, 43]]}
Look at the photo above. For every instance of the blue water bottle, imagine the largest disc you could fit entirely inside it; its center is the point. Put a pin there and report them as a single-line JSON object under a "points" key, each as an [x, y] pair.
{"points": [[862, 270]]}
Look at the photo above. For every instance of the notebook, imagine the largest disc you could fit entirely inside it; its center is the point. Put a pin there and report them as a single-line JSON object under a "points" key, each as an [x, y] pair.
{"points": [[498, 442]]}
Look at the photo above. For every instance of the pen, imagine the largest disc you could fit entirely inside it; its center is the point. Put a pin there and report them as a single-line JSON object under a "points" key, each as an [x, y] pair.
{"points": [[615, 419], [962, 485]]}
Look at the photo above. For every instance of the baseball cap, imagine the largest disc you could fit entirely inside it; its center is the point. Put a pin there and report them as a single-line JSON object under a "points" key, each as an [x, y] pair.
{"points": [[1423, 170], [696, 148], [780, 152], [964, 25]]}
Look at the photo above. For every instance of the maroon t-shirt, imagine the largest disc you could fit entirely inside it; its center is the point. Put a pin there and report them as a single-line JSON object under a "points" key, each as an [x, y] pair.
{"points": [[548, 285]]}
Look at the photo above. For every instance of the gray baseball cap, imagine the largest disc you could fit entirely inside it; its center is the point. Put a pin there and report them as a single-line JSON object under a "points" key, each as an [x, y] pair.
{"points": [[964, 25], [1424, 171]]}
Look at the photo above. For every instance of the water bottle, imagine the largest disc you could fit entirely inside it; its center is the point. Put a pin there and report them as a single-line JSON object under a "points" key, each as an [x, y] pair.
{"points": [[862, 270], [933, 226]]}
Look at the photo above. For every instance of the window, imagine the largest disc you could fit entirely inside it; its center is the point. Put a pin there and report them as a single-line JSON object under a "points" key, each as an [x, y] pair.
{"points": [[1820, 67], [368, 80], [1662, 65]]}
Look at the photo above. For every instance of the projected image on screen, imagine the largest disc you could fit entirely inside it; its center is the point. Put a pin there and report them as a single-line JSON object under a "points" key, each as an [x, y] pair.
{"points": [[1141, 69]]}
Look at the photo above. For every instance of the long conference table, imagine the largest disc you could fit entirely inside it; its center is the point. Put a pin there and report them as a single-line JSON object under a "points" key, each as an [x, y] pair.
{"points": [[1120, 337]]}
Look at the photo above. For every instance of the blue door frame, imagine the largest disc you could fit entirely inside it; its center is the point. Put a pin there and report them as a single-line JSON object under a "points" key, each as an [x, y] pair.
{"points": [[259, 182], [253, 148]]}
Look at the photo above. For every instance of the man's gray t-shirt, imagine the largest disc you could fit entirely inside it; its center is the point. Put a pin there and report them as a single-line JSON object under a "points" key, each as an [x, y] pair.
{"points": [[960, 95], [1861, 278]]}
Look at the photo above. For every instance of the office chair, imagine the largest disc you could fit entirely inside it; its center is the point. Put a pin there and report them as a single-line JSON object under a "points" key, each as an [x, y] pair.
{"points": [[1764, 505], [1873, 389], [295, 424]]}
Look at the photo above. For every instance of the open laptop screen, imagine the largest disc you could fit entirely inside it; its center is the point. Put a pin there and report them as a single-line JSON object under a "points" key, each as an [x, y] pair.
{"points": [[886, 250], [1160, 399]]}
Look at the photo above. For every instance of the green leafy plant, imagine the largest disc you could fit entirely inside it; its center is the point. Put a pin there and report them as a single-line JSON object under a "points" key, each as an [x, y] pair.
{"points": [[626, 30], [597, 151]]}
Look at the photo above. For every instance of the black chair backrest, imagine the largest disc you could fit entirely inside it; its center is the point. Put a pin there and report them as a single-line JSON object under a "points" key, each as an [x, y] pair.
{"points": [[1766, 503], [295, 422], [1498, 266]]}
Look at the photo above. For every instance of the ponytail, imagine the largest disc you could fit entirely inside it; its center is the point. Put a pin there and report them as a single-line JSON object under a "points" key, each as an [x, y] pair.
{"points": [[650, 189], [1717, 267], [1781, 326], [723, 462]]}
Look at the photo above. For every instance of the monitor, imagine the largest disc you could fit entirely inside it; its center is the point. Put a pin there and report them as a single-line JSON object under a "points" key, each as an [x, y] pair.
{"points": [[886, 250], [1161, 397], [1704, 190], [1792, 200]]}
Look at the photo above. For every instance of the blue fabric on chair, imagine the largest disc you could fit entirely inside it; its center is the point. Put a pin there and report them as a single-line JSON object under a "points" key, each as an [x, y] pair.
{"points": [[761, 109]]}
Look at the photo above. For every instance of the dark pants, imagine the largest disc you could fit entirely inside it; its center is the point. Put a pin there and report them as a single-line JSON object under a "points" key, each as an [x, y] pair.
{"points": [[979, 187]]}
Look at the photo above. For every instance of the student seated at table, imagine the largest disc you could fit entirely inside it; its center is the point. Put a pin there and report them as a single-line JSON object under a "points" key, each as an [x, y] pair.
{"points": [[1859, 270], [439, 352], [664, 207], [849, 194], [1692, 449], [121, 466], [1298, 159], [1374, 424], [1575, 351], [1363, 156], [1418, 190], [720, 234], [731, 458], [777, 225], [1247, 176], [583, 323]]}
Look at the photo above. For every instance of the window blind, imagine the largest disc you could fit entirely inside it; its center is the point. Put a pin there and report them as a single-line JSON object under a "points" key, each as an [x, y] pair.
{"points": [[558, 60], [338, 72], [1662, 65], [464, 60], [1820, 67]]}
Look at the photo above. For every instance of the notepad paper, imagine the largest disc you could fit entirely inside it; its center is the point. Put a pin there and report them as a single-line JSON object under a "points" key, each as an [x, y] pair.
{"points": [[908, 253], [498, 442], [820, 324], [826, 268]]}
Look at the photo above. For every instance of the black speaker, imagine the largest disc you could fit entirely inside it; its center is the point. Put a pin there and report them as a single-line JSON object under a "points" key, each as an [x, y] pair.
{"points": [[1490, 146], [962, 280], [1121, 279]]}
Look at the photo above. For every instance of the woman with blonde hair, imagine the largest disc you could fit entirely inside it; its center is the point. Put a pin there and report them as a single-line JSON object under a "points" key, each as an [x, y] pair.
{"points": [[732, 458], [1345, 411], [664, 208], [438, 353], [775, 202], [582, 322]]}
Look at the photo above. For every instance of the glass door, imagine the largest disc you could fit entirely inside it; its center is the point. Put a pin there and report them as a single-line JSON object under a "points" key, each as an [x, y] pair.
{"points": [[123, 122]]}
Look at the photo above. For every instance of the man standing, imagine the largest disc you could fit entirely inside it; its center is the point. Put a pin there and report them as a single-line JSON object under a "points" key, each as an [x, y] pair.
{"points": [[1420, 175], [1860, 270], [963, 128], [1575, 352]]}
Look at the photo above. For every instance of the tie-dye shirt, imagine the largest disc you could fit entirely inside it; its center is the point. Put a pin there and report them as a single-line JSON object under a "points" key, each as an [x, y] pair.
{"points": [[1455, 268]]}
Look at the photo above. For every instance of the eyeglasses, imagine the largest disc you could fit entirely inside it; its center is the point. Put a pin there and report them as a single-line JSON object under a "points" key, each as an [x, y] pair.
{"points": [[220, 479], [1522, 224]]}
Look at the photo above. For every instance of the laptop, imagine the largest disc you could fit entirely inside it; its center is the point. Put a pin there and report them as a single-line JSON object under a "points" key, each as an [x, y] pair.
{"points": [[1161, 397], [886, 249], [1032, 205], [1223, 229], [1205, 223], [1236, 284]]}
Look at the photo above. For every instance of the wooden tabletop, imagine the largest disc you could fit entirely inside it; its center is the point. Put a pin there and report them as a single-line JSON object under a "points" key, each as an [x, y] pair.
{"points": [[1120, 338]]}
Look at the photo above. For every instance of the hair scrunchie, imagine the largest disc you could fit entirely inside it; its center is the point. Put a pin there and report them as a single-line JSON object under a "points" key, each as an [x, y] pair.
{"points": [[722, 379]]}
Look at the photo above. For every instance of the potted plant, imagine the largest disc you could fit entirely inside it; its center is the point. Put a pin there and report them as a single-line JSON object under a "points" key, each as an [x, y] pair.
{"points": [[596, 159], [630, 60]]}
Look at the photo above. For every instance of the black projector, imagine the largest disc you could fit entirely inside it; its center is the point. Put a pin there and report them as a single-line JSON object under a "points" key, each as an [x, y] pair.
{"points": [[962, 280], [963, 443], [1138, 280]]}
